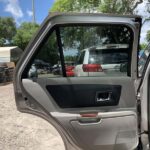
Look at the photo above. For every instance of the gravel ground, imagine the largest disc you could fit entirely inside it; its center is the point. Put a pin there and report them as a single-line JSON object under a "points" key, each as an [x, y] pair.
{"points": [[19, 131]]}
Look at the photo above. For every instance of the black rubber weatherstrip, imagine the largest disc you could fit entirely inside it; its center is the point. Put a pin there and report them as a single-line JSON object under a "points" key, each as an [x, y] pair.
{"points": [[148, 107], [61, 51]]}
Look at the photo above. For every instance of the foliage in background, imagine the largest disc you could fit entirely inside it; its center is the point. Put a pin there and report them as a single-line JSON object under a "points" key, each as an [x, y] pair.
{"points": [[118, 6], [70, 58], [143, 46], [104, 6], [49, 51], [81, 36], [24, 34], [75, 6], [7, 30], [148, 36]]}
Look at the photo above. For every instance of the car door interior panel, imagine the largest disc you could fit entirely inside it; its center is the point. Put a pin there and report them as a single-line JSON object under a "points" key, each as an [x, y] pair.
{"points": [[118, 128], [88, 94], [117, 124], [72, 93], [124, 137]]}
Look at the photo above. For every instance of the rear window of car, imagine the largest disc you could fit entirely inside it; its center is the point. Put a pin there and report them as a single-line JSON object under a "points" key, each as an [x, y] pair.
{"points": [[108, 56], [81, 58]]}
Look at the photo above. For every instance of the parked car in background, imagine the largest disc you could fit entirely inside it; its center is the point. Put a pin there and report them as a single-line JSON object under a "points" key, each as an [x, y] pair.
{"points": [[42, 66], [56, 69], [33, 71], [39, 67], [70, 71], [103, 60], [6, 71]]}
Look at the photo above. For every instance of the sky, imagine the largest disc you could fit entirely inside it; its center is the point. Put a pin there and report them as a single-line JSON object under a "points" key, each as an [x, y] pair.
{"points": [[21, 11]]}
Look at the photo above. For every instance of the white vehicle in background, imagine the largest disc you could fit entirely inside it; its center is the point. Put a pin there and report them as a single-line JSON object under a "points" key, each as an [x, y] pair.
{"points": [[103, 60]]}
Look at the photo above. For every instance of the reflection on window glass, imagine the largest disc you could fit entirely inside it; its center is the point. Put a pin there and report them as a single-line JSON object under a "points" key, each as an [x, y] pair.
{"points": [[96, 50], [101, 50], [47, 62], [81, 58], [100, 56]]}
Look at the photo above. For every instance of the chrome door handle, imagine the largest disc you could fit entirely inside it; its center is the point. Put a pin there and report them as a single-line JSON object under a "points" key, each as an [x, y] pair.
{"points": [[100, 98]]}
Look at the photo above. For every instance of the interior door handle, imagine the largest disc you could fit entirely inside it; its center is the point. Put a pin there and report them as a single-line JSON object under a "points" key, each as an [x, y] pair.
{"points": [[103, 96], [89, 119]]}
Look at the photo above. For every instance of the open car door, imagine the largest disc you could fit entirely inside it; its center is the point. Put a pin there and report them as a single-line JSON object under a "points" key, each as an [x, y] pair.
{"points": [[144, 98], [79, 73]]}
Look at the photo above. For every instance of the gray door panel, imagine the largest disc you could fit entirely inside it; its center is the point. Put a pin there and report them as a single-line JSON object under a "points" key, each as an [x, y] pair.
{"points": [[114, 127], [96, 125], [127, 98], [115, 130], [145, 104]]}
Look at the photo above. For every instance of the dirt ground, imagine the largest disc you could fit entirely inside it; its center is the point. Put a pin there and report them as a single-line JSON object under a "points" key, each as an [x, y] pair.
{"points": [[19, 131]]}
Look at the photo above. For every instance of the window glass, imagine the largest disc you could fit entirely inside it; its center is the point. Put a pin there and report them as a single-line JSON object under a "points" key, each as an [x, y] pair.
{"points": [[81, 58], [110, 56], [102, 50], [47, 61]]}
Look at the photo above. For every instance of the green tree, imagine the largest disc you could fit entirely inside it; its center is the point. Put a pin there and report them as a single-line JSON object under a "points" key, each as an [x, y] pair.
{"points": [[70, 58], [83, 36], [143, 46], [118, 6], [7, 30], [148, 36], [75, 6], [24, 34], [49, 51], [104, 6]]}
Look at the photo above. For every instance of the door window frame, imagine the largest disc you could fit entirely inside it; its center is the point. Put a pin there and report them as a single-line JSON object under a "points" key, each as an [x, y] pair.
{"points": [[56, 29]]}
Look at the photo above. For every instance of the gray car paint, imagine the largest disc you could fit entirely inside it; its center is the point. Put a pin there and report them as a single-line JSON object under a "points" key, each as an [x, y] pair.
{"points": [[143, 93], [22, 86]]}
